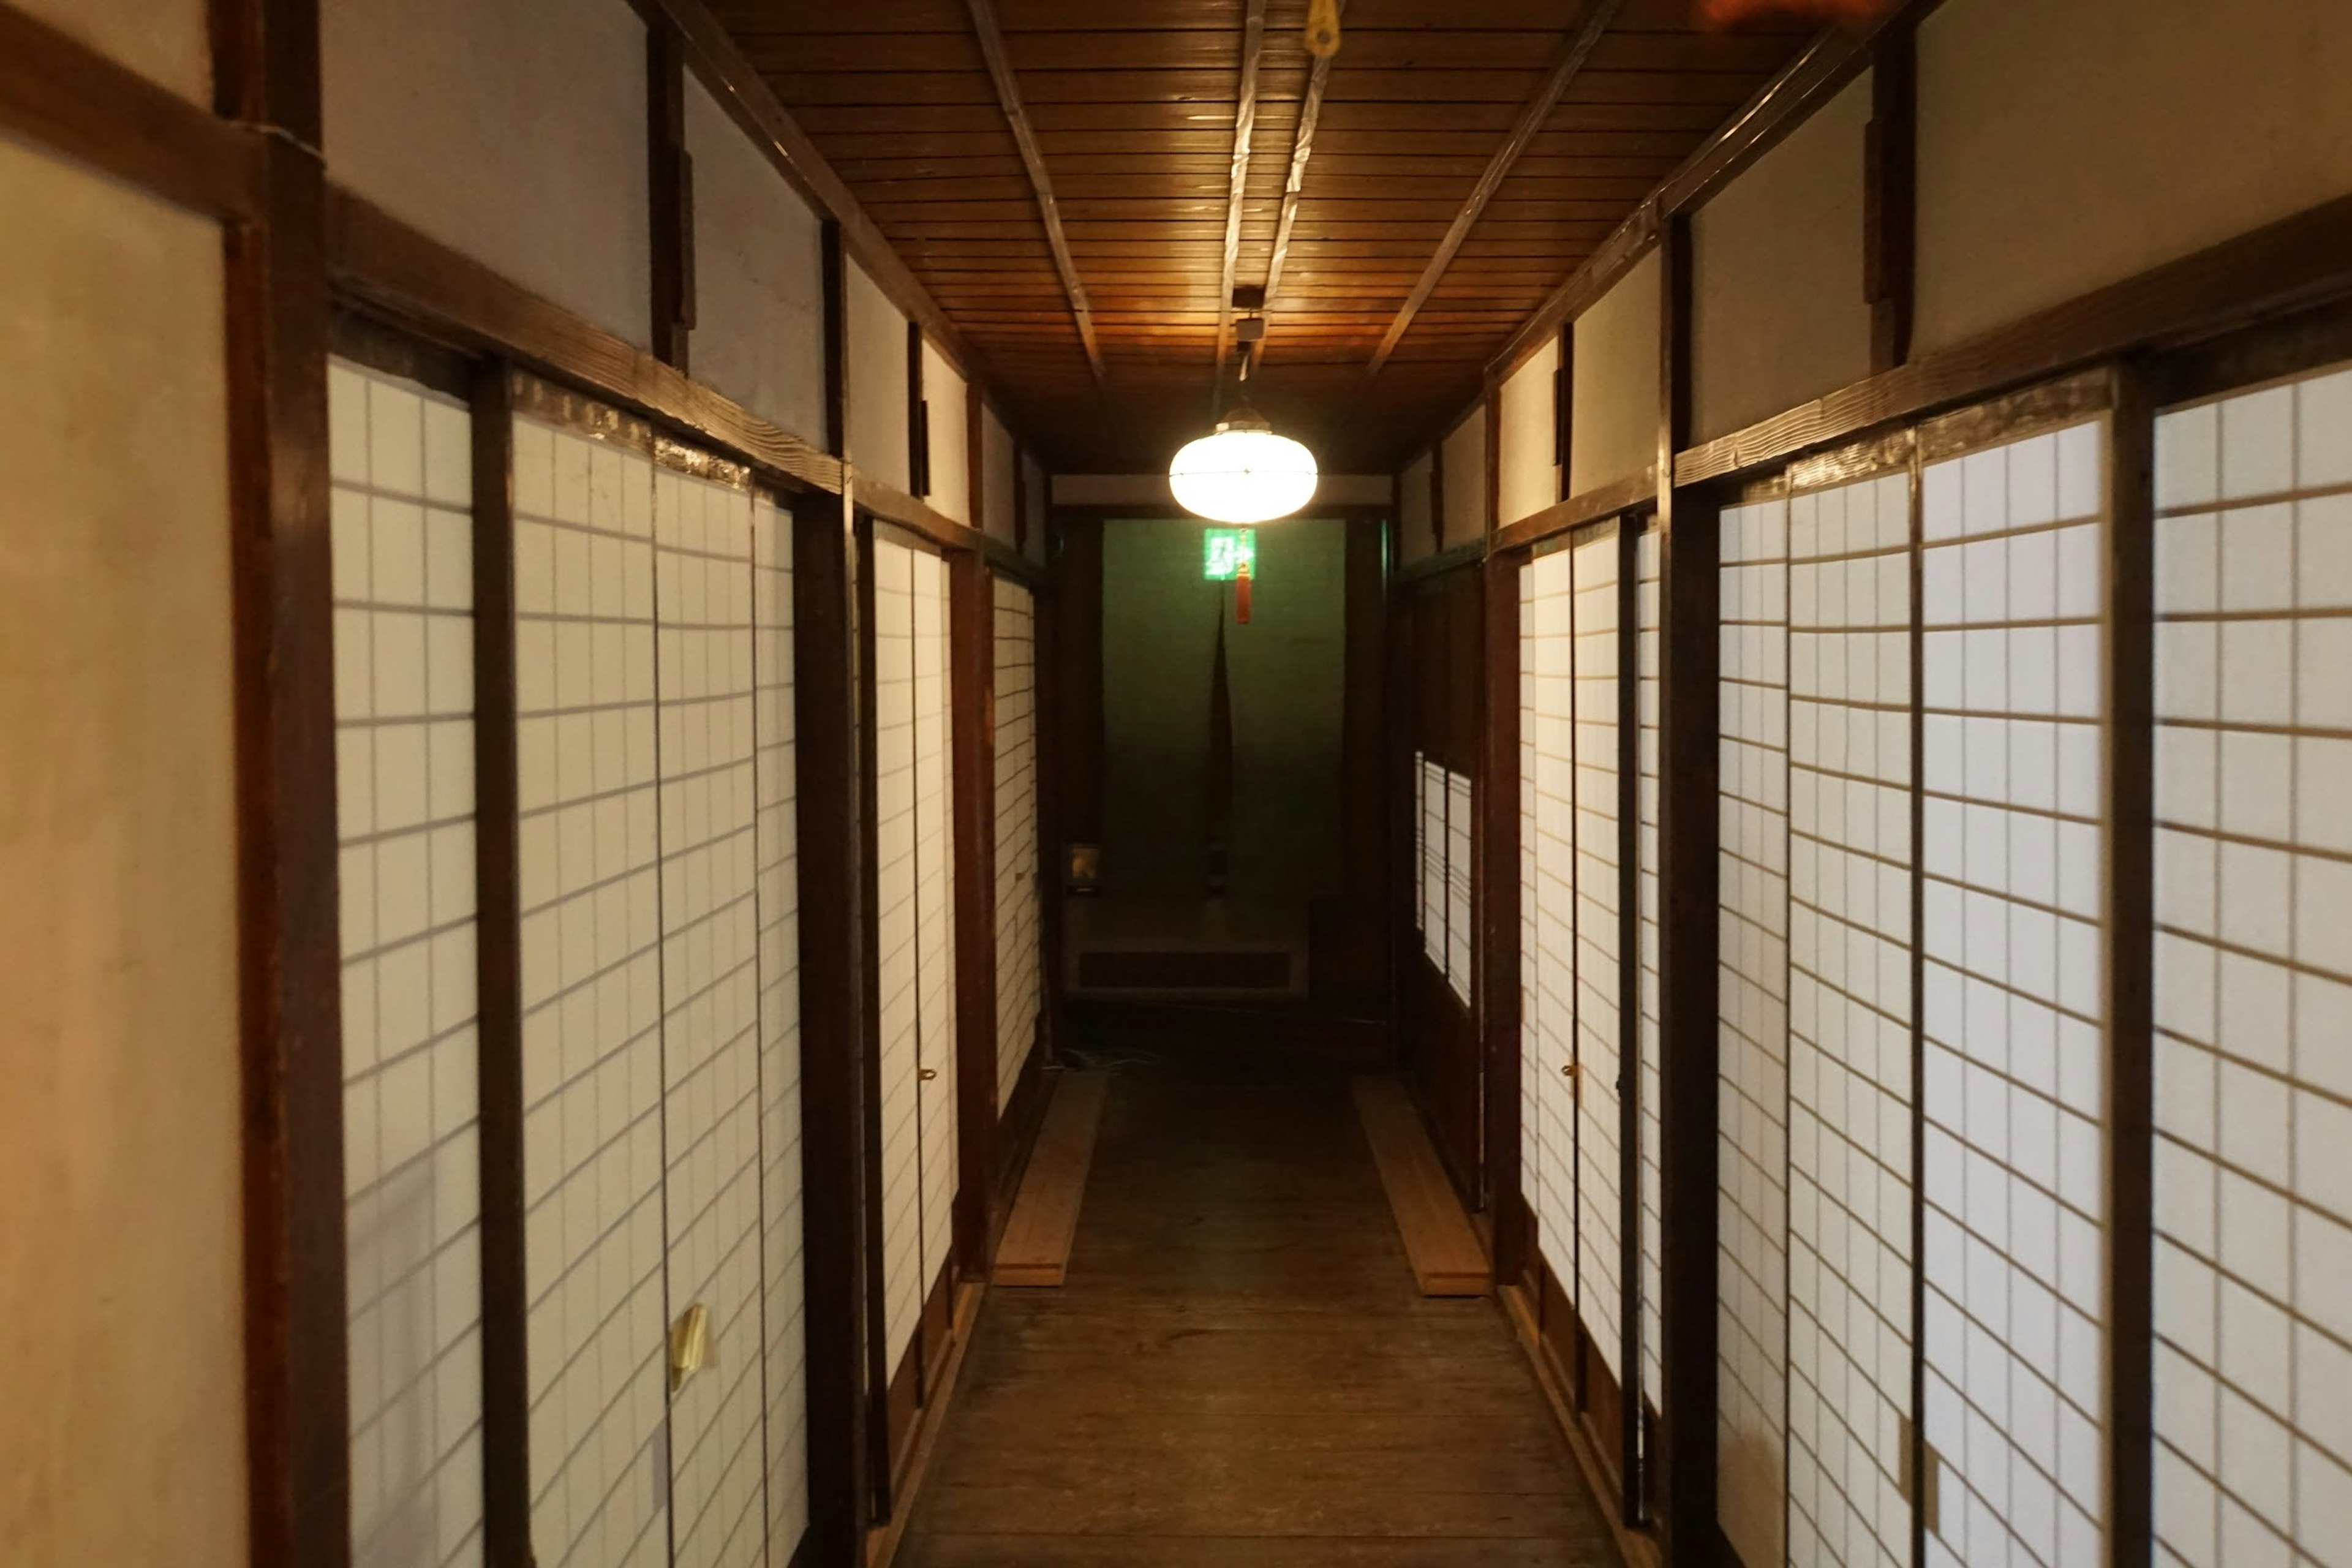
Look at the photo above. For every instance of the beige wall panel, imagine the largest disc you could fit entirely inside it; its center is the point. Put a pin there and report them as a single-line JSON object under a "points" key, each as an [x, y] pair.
{"points": [[1465, 476], [759, 334], [1414, 540], [166, 41], [2071, 143], [877, 380], [1000, 475], [951, 433], [512, 129], [1614, 431], [1530, 478], [1776, 312], [121, 1300]]}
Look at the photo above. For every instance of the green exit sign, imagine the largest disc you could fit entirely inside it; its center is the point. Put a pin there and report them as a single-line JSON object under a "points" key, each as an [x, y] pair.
{"points": [[1230, 552]]}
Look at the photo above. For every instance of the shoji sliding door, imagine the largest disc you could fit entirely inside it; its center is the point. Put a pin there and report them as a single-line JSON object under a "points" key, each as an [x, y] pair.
{"points": [[914, 829], [1851, 889], [711, 996], [1913, 1004], [902, 1282], [403, 581], [1587, 745], [1548, 962], [1752, 1033], [2254, 976], [2014, 1085], [658, 899], [588, 789], [1597, 575], [776, 855], [1018, 977]]}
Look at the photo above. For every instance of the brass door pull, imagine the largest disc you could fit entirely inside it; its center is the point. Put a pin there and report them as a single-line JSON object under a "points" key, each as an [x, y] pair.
{"points": [[926, 1074]]}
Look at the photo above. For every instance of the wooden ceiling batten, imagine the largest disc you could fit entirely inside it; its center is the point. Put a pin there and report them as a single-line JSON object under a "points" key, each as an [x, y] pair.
{"points": [[1539, 106], [1238, 193], [1016, 116], [1302, 149]]}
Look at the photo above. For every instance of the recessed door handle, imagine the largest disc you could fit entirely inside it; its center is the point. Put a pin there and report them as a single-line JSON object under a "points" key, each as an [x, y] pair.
{"points": [[926, 1074]]}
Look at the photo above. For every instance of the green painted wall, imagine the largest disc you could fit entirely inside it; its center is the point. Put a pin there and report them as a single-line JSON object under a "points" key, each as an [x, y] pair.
{"points": [[1287, 673]]}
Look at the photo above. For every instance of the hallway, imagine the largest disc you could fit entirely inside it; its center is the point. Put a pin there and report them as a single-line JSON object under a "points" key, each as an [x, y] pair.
{"points": [[1239, 1370]]}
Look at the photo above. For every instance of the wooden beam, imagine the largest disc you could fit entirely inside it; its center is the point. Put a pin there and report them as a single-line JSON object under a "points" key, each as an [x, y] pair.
{"points": [[832, 957], [57, 92], [1538, 108], [1024, 136], [863, 908], [737, 86], [1828, 64], [971, 634], [506, 1296], [296, 1408], [1890, 196], [383, 263], [1605, 500], [1688, 802], [670, 189], [1302, 150], [1236, 197], [2130, 898], [1497, 891]]}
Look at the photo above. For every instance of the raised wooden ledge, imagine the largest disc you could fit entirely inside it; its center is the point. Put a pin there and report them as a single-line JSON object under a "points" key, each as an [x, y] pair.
{"points": [[1603, 502], [1036, 1247], [1438, 1239], [378, 260]]}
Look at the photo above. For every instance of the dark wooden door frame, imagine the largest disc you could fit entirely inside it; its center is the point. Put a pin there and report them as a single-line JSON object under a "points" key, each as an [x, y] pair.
{"points": [[972, 631]]}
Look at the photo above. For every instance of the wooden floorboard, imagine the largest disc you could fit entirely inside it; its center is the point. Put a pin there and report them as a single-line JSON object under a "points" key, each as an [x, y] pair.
{"points": [[1240, 1371], [1036, 1247], [1438, 1240]]}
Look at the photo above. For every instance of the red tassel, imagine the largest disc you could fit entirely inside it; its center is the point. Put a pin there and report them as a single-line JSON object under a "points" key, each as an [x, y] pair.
{"points": [[1242, 594]]}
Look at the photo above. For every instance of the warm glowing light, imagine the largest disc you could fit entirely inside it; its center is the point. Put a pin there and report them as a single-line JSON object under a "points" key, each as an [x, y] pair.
{"points": [[1243, 472]]}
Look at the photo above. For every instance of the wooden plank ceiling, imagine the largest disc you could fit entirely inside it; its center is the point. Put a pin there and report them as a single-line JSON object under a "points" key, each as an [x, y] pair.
{"points": [[1133, 104]]}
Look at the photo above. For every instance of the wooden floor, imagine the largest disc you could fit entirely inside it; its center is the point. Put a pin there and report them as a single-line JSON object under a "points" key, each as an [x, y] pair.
{"points": [[1239, 1370]]}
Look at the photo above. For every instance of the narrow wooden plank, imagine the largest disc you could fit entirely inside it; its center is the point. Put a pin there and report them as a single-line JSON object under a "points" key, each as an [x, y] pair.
{"points": [[1438, 1239], [1035, 1249], [1539, 107]]}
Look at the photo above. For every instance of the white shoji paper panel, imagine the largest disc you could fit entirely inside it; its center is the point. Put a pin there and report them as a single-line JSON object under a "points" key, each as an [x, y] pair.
{"points": [[1530, 957], [591, 997], [1646, 889], [893, 763], [1017, 976], [1752, 1034], [2011, 573], [776, 842], [1429, 845], [1551, 1024], [1457, 885], [710, 1015], [935, 917], [2254, 976], [404, 596], [1599, 943], [1851, 1096]]}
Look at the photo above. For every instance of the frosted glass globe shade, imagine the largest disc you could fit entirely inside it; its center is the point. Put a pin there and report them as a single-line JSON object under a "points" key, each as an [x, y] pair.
{"points": [[1243, 472]]}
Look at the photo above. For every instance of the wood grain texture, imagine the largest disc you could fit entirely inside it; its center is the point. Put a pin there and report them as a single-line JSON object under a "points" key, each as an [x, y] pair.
{"points": [[1439, 1243], [1238, 190], [1041, 182], [1036, 1247], [1239, 1369], [1539, 104]]}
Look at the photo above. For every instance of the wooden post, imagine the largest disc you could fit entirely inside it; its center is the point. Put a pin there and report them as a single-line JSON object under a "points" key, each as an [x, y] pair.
{"points": [[1890, 194], [266, 74], [670, 189], [1688, 875], [972, 631], [1498, 911]]}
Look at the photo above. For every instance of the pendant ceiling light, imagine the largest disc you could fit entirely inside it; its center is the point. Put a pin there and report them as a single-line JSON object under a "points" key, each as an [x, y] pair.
{"points": [[1243, 472]]}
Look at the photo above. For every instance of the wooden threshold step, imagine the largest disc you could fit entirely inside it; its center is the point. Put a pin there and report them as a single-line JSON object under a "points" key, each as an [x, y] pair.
{"points": [[1438, 1239], [1036, 1247]]}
